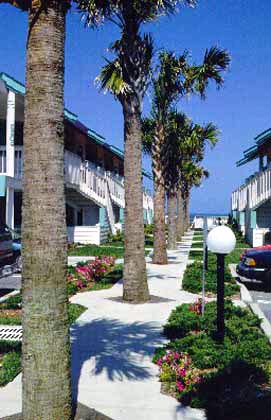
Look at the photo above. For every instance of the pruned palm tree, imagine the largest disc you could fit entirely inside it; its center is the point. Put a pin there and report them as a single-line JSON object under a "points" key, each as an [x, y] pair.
{"points": [[175, 79], [127, 77], [46, 347]]}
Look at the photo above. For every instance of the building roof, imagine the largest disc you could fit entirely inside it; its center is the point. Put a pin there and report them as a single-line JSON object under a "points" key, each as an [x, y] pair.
{"points": [[254, 151], [19, 88]]}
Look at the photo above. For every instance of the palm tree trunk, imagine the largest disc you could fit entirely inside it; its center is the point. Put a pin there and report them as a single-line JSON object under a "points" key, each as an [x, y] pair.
{"points": [[135, 285], [180, 217], [46, 346], [159, 233], [187, 212], [172, 232]]}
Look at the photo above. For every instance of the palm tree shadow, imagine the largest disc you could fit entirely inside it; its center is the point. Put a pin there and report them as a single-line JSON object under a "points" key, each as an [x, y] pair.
{"points": [[114, 348]]}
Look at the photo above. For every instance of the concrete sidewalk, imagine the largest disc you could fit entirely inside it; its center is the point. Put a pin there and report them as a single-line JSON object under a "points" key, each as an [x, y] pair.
{"points": [[113, 345]]}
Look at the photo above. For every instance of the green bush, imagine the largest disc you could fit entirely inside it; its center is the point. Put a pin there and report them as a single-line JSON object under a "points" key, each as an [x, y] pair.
{"points": [[7, 346], [194, 335], [148, 229], [232, 393], [234, 374], [11, 367], [192, 280], [13, 302], [74, 311], [118, 237], [183, 320]]}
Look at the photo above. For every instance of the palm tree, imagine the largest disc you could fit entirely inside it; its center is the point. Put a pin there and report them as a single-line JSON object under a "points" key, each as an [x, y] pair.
{"points": [[127, 77], [46, 347], [175, 79], [193, 175], [185, 143], [167, 87]]}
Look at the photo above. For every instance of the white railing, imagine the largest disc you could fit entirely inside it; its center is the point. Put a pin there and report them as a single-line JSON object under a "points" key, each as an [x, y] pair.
{"points": [[255, 192], [89, 179], [18, 161], [110, 211], [3, 166]]}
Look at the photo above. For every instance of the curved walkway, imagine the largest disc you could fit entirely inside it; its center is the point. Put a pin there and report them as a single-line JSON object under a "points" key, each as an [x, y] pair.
{"points": [[113, 345]]}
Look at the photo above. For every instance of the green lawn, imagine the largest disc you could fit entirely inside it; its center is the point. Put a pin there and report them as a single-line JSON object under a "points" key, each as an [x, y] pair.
{"points": [[110, 249], [97, 251]]}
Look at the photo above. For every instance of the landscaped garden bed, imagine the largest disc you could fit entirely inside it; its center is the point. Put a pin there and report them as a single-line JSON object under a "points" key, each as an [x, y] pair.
{"points": [[10, 360], [10, 351], [11, 311], [231, 380], [192, 278], [101, 273]]}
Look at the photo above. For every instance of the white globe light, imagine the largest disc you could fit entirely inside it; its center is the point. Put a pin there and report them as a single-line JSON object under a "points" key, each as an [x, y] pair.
{"points": [[221, 240]]}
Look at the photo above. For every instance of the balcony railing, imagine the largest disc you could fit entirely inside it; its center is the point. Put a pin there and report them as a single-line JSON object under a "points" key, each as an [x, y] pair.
{"points": [[255, 192], [85, 176], [18, 161]]}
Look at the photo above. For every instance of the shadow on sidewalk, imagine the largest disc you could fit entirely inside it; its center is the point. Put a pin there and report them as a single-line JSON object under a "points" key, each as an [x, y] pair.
{"points": [[118, 349]]}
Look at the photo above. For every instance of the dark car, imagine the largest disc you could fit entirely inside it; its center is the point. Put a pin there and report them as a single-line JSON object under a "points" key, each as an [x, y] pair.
{"points": [[6, 251], [255, 264]]}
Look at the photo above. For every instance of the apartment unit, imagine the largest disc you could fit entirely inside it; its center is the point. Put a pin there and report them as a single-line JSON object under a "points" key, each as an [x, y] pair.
{"points": [[251, 202], [94, 173]]}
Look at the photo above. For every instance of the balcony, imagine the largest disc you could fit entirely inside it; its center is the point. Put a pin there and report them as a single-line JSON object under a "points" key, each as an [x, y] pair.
{"points": [[253, 193], [88, 179]]}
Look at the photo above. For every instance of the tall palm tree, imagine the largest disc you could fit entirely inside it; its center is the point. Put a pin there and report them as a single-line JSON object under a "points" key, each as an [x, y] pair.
{"points": [[191, 173], [167, 87], [46, 347], [127, 77], [175, 79], [184, 143]]}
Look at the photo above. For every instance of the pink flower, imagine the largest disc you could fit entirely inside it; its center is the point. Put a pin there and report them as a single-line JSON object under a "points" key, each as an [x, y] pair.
{"points": [[182, 372], [180, 386], [80, 284]]}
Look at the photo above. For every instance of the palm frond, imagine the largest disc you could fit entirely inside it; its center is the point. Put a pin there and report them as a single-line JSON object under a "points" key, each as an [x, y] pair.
{"points": [[198, 77], [110, 79], [148, 129], [96, 12]]}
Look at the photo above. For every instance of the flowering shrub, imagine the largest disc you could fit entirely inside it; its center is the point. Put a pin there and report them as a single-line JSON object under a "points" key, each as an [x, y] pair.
{"points": [[91, 271], [196, 307], [94, 270], [176, 367]]}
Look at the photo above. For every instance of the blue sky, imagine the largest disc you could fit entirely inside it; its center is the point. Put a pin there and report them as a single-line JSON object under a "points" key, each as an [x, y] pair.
{"points": [[241, 109]]}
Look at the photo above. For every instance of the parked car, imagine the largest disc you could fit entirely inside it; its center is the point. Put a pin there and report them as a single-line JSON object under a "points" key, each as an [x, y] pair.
{"points": [[17, 248], [7, 259], [255, 264], [10, 251]]}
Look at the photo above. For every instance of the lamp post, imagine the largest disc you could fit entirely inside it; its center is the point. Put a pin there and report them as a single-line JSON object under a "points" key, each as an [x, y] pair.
{"points": [[221, 241]]}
